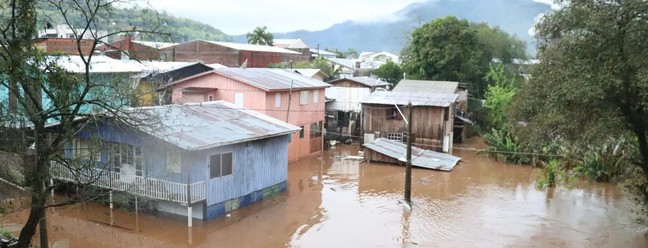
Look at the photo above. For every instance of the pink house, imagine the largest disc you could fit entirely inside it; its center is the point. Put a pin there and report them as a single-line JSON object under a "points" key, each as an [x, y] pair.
{"points": [[282, 94]]}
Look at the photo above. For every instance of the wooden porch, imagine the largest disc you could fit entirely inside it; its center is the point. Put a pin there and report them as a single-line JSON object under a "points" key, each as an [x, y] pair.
{"points": [[137, 185]]}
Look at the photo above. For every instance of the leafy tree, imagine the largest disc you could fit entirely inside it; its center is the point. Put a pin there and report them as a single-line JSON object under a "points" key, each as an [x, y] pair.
{"points": [[444, 49], [499, 96], [590, 85], [41, 92], [260, 36], [390, 72], [456, 50]]}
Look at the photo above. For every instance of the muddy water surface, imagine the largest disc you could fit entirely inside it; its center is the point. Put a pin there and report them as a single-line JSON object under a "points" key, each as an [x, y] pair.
{"points": [[343, 203]]}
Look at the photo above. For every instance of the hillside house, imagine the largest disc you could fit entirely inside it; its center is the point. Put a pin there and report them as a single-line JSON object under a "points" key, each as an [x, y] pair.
{"points": [[231, 54], [343, 107], [432, 118], [280, 93], [373, 60], [313, 73], [197, 160]]}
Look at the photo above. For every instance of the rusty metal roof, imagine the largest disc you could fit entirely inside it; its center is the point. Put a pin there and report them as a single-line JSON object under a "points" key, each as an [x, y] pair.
{"points": [[407, 85], [420, 157], [272, 79], [200, 126], [416, 98]]}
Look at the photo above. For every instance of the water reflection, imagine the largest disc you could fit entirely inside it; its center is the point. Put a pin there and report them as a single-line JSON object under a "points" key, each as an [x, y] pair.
{"points": [[343, 203]]}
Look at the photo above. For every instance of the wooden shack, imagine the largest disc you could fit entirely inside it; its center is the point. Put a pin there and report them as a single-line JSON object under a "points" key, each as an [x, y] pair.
{"points": [[432, 118]]}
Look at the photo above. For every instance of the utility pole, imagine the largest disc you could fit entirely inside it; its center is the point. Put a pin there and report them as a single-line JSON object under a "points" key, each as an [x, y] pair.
{"points": [[408, 164]]}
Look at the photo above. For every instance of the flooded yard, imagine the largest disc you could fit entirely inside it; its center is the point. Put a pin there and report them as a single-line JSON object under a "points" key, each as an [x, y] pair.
{"points": [[344, 203]]}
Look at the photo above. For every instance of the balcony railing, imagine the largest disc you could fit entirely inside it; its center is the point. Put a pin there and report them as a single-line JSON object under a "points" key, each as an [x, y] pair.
{"points": [[137, 185]]}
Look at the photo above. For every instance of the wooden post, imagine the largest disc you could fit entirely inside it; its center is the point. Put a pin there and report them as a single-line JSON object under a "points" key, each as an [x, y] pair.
{"points": [[408, 165], [289, 100], [189, 212], [136, 216]]}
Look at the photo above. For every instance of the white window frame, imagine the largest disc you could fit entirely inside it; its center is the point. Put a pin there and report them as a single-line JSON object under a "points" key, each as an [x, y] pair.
{"points": [[278, 100], [304, 97], [209, 165], [239, 99], [315, 96]]}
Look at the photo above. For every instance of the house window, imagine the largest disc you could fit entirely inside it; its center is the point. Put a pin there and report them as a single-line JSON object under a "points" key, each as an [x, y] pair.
{"points": [[395, 136], [316, 129], [393, 114], [210, 98], [301, 132], [277, 100], [220, 165], [126, 158], [303, 97], [173, 161], [315, 96], [238, 99], [85, 150]]}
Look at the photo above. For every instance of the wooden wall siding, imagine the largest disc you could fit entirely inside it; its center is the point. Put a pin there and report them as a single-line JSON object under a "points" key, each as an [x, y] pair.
{"points": [[427, 122], [201, 51], [256, 165], [372, 156], [346, 98]]}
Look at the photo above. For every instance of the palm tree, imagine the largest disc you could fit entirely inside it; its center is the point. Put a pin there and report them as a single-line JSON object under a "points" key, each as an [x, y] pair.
{"points": [[260, 36]]}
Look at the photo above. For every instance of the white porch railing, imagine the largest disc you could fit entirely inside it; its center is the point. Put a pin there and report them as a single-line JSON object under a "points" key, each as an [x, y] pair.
{"points": [[138, 185]]}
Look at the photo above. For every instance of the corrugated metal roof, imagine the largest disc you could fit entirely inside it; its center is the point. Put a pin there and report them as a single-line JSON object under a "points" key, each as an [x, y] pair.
{"points": [[416, 98], [348, 63], [252, 47], [322, 52], [289, 43], [367, 81], [154, 44], [98, 64], [406, 85], [206, 125], [272, 79], [420, 157]]}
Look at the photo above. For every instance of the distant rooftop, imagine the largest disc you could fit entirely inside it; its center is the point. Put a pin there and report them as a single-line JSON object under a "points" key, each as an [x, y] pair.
{"points": [[407, 85], [159, 45], [416, 98], [367, 81], [289, 43], [265, 78], [252, 47]]}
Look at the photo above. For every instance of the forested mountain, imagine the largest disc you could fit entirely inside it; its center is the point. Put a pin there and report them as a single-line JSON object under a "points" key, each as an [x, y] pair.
{"points": [[513, 16], [180, 29]]}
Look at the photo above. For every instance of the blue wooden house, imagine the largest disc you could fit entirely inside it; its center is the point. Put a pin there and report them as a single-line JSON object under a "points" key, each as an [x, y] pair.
{"points": [[198, 160]]}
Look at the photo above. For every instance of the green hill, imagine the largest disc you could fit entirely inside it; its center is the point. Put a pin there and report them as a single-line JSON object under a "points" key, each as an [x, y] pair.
{"points": [[179, 29]]}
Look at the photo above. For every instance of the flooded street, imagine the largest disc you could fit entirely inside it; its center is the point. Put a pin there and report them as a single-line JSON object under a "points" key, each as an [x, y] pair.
{"points": [[344, 203]]}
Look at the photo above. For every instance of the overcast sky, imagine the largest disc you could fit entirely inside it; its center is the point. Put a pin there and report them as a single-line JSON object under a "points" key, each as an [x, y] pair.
{"points": [[242, 16]]}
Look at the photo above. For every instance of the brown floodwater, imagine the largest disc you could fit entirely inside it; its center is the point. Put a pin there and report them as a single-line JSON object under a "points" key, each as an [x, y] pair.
{"points": [[344, 203]]}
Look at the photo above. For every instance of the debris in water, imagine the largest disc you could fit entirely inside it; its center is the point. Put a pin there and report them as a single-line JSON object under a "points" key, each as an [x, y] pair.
{"points": [[228, 215]]}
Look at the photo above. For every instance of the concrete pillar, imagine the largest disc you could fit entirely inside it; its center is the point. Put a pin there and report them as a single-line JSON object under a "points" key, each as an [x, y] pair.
{"points": [[189, 218]]}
